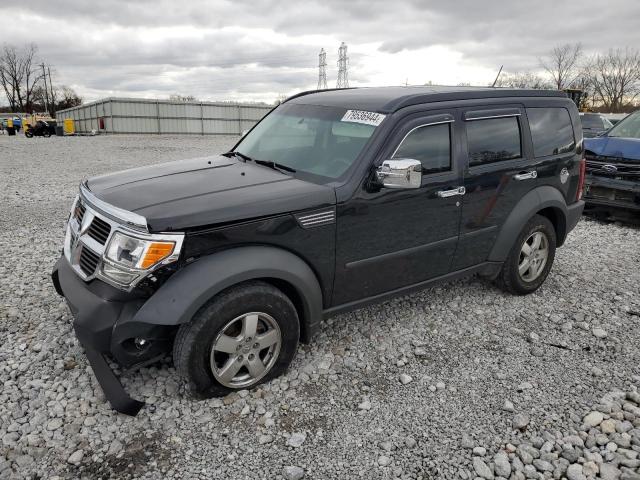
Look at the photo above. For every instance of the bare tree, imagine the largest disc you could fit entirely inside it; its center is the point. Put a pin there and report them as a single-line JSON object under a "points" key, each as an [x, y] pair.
{"points": [[584, 84], [39, 99], [19, 75], [66, 97], [563, 64], [615, 77], [523, 80], [10, 76]]}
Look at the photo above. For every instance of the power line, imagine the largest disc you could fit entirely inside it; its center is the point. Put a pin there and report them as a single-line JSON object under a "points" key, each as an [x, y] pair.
{"points": [[322, 70], [343, 66]]}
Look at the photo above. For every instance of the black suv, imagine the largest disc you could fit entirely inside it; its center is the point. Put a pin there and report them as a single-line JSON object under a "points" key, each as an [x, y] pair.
{"points": [[335, 199]]}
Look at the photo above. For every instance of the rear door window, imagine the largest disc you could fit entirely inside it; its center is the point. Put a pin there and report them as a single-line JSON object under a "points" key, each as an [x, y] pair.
{"points": [[551, 131], [492, 140]]}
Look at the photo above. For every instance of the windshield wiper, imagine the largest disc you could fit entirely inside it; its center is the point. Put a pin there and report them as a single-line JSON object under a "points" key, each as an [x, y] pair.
{"points": [[238, 154], [276, 166], [267, 163]]}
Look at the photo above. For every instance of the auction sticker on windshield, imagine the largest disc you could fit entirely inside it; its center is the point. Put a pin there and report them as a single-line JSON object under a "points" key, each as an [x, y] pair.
{"points": [[360, 116]]}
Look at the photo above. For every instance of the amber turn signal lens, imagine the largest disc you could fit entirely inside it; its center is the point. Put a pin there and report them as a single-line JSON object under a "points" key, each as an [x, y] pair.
{"points": [[157, 252]]}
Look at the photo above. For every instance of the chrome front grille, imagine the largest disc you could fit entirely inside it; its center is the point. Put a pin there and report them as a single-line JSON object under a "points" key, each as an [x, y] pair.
{"points": [[88, 233], [92, 223], [99, 230], [78, 212], [88, 261]]}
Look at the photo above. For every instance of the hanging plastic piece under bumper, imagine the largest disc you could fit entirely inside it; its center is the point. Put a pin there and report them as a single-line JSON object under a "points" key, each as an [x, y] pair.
{"points": [[94, 318], [111, 386]]}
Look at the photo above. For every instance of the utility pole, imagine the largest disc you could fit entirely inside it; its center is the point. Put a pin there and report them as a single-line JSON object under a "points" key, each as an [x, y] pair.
{"points": [[322, 70], [53, 100], [343, 66], [46, 91]]}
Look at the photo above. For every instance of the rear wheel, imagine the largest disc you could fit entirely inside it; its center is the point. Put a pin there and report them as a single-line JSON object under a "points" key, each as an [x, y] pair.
{"points": [[28, 134], [242, 337], [531, 257]]}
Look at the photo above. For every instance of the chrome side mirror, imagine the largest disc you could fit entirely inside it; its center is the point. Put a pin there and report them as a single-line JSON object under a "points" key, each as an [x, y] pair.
{"points": [[400, 173]]}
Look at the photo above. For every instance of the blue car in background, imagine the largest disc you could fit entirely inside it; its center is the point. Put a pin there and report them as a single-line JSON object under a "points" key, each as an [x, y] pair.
{"points": [[612, 183]]}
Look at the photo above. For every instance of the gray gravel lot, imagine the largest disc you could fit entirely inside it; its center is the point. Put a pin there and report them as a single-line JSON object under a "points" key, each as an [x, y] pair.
{"points": [[431, 385]]}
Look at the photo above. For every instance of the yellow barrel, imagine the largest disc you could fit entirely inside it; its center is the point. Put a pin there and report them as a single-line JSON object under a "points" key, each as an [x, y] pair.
{"points": [[69, 127], [9, 122]]}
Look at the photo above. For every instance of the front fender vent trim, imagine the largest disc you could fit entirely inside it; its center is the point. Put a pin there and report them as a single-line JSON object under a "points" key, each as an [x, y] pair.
{"points": [[317, 218]]}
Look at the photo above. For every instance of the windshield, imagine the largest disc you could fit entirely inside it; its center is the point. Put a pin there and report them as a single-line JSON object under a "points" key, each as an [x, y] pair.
{"points": [[307, 138], [628, 127], [592, 121]]}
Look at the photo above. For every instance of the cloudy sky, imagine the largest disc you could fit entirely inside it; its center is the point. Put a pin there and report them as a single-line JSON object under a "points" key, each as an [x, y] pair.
{"points": [[258, 50]]}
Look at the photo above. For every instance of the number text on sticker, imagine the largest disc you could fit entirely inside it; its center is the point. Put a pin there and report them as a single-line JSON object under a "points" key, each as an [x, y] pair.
{"points": [[360, 116]]}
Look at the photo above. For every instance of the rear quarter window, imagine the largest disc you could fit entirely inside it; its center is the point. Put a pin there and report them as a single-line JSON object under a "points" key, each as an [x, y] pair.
{"points": [[551, 131]]}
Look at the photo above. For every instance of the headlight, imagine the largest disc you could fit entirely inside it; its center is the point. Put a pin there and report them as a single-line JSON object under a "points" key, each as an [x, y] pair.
{"points": [[118, 275], [137, 253]]}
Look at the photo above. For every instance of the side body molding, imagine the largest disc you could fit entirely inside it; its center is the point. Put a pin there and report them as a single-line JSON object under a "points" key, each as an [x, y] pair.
{"points": [[537, 199], [190, 288]]}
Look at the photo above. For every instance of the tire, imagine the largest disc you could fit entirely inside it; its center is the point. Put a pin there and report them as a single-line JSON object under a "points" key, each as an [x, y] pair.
{"points": [[221, 323], [510, 278], [28, 134], [46, 134]]}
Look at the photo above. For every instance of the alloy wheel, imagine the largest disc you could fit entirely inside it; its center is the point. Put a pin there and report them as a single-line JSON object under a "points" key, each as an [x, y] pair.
{"points": [[245, 349], [533, 256]]}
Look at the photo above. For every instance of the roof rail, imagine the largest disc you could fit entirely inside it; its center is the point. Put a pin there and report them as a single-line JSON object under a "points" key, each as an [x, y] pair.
{"points": [[309, 92]]}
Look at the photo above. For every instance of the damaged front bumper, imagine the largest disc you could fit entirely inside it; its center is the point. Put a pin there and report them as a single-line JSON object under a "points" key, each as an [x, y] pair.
{"points": [[104, 323], [611, 193]]}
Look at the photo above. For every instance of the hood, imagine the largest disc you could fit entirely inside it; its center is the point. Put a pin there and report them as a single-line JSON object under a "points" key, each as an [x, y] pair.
{"points": [[206, 191], [617, 147]]}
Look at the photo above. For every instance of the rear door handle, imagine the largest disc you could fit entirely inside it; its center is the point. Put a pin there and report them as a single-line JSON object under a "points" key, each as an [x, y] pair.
{"points": [[526, 175], [452, 193]]}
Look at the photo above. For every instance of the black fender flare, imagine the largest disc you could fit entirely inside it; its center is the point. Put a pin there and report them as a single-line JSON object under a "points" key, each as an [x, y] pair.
{"points": [[540, 198], [186, 291]]}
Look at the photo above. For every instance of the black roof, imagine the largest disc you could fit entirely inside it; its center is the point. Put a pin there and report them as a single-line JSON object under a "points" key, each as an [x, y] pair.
{"points": [[391, 99]]}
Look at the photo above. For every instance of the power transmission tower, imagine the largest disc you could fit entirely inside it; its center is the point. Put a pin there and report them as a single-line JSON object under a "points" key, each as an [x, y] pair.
{"points": [[322, 70], [343, 67]]}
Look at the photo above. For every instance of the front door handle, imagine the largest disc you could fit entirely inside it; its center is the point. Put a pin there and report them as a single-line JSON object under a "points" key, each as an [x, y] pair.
{"points": [[526, 175], [452, 193]]}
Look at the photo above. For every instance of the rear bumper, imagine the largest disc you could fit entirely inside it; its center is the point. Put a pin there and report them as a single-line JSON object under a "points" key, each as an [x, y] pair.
{"points": [[104, 324], [612, 193], [574, 212]]}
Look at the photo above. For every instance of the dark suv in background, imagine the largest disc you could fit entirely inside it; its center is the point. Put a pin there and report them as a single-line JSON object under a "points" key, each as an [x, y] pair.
{"points": [[334, 200]]}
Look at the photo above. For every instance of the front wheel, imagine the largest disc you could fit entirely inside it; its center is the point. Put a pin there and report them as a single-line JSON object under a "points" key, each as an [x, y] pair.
{"points": [[46, 134], [242, 337], [530, 258], [28, 134]]}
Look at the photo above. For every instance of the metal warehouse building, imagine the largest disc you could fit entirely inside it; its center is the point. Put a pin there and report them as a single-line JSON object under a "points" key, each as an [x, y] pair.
{"points": [[129, 115]]}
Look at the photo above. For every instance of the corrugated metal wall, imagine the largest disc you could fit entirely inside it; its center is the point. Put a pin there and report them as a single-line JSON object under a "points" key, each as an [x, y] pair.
{"points": [[127, 115]]}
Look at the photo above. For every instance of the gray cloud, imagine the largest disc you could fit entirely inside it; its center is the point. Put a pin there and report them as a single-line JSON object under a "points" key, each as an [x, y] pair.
{"points": [[263, 48]]}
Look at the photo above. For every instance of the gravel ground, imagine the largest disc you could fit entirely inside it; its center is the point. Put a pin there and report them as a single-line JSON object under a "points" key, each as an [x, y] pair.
{"points": [[453, 382]]}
